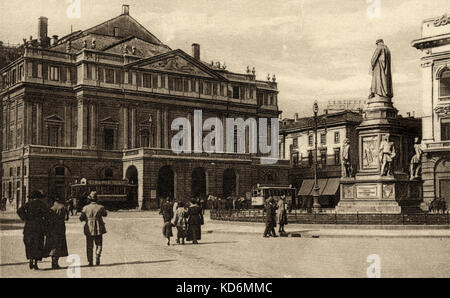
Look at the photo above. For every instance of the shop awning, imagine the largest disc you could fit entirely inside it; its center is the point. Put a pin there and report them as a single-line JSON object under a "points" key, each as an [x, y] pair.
{"points": [[332, 187], [306, 187], [327, 187]]}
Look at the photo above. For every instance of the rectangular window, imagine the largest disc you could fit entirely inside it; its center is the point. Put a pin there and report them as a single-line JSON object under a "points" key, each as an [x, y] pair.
{"points": [[208, 86], [54, 73], [323, 156], [337, 137], [88, 70], [178, 84], [310, 140], [251, 93], [310, 158], [163, 81], [200, 87], [266, 101], [337, 156], [130, 78], [109, 76], [193, 85], [147, 80], [214, 88], [108, 135], [21, 72], [445, 131], [13, 77], [445, 84], [101, 74], [236, 92], [295, 143], [295, 159], [323, 139], [119, 79], [170, 83], [155, 81], [34, 71], [186, 85], [53, 136], [222, 93]]}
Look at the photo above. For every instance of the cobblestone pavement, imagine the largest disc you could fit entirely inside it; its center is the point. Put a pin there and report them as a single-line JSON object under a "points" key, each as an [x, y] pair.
{"points": [[134, 247]]}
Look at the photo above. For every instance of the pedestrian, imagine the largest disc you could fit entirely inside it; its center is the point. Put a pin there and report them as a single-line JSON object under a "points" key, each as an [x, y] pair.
{"points": [[56, 243], [281, 215], [35, 214], [270, 218], [180, 221], [69, 207], [94, 228], [195, 221], [167, 214]]}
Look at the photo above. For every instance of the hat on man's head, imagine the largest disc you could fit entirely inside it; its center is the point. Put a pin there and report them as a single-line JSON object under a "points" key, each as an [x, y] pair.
{"points": [[93, 196], [36, 195], [379, 40]]}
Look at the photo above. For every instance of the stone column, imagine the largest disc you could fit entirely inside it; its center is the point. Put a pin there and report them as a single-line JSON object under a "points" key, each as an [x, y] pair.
{"points": [[166, 129], [82, 129], [39, 123], [125, 127], [133, 127], [93, 125], [158, 129], [427, 103]]}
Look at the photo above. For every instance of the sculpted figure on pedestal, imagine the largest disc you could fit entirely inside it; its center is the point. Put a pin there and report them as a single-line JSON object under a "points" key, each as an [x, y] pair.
{"points": [[416, 166], [387, 155], [381, 72], [346, 162]]}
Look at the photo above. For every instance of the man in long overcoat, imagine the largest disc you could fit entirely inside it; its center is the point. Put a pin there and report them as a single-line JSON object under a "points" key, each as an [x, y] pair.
{"points": [[270, 218], [195, 220], [94, 227], [56, 243], [35, 213]]}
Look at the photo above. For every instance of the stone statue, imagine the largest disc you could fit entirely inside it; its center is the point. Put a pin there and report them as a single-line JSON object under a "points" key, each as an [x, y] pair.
{"points": [[416, 165], [381, 72], [387, 155], [346, 162]]}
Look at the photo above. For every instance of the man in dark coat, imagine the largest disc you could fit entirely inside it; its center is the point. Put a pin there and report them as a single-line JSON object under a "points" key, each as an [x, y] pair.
{"points": [[270, 218], [56, 243], [195, 220], [94, 227], [35, 214]]}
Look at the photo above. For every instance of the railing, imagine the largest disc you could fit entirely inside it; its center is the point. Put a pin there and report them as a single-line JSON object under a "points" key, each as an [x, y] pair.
{"points": [[336, 218]]}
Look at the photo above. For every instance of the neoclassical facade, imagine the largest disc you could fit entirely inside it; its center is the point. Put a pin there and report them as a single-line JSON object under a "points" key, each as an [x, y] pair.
{"points": [[435, 64], [99, 104]]}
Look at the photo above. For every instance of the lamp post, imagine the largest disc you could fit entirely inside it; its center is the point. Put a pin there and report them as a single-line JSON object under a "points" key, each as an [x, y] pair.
{"points": [[316, 189]]}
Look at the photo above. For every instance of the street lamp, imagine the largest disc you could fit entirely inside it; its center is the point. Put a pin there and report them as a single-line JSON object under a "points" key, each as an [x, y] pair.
{"points": [[316, 188]]}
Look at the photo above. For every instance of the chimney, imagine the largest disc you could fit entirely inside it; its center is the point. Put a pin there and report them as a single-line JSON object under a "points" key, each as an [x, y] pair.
{"points": [[126, 9], [196, 51], [55, 39], [296, 117], [43, 31]]}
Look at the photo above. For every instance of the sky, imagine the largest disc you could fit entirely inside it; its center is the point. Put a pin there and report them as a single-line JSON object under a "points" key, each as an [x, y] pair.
{"points": [[318, 49]]}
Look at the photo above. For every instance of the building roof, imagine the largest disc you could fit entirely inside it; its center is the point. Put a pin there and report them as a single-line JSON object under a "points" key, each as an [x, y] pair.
{"points": [[325, 120]]}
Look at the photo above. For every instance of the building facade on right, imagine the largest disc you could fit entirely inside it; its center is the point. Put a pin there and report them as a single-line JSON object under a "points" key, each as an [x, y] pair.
{"points": [[435, 65]]}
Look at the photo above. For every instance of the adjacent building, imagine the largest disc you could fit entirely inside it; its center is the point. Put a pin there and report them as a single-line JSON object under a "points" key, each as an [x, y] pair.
{"points": [[297, 145], [99, 104], [435, 65]]}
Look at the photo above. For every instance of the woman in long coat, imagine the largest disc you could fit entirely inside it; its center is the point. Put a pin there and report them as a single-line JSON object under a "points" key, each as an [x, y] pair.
{"points": [[167, 213], [195, 220], [180, 221], [35, 213], [56, 243], [270, 207]]}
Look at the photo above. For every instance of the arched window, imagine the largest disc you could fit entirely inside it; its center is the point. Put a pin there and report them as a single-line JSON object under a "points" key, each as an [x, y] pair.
{"points": [[444, 83]]}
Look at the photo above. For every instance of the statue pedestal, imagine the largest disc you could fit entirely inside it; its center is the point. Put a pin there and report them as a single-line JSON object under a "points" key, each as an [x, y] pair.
{"points": [[369, 191], [379, 194]]}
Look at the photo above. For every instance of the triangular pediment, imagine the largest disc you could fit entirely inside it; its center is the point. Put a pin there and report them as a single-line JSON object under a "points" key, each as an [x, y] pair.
{"points": [[177, 62], [109, 120], [54, 118]]}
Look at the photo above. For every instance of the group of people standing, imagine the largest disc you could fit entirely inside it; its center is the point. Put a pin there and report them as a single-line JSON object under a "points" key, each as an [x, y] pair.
{"points": [[44, 232], [276, 213], [186, 217]]}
